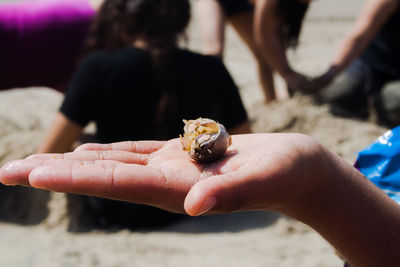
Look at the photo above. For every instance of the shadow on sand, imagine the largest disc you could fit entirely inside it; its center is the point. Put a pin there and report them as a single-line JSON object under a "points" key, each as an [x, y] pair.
{"points": [[22, 205], [26, 206], [88, 213]]}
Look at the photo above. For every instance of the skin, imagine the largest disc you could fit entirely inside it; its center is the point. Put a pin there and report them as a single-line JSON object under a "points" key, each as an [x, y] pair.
{"points": [[261, 33], [212, 26], [243, 25], [287, 173], [212, 30], [373, 16], [267, 45], [267, 25], [61, 135], [96, 4]]}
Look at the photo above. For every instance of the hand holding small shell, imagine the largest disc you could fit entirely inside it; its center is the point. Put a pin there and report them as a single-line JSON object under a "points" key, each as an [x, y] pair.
{"points": [[205, 139]]}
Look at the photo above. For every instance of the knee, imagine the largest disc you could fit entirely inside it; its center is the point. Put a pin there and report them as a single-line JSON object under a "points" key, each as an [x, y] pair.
{"points": [[388, 103], [342, 86], [350, 84], [391, 96]]}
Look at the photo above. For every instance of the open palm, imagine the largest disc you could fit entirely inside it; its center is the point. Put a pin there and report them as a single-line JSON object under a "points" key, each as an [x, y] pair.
{"points": [[257, 172]]}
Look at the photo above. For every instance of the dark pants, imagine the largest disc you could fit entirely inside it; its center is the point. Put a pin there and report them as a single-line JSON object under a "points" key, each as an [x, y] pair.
{"points": [[348, 94]]}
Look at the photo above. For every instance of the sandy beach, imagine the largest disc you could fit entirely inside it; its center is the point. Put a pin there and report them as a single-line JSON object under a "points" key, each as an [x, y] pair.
{"points": [[36, 230]]}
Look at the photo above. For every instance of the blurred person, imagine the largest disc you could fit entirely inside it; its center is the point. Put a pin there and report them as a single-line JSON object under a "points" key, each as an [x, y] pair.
{"points": [[268, 27], [42, 40], [366, 64], [136, 83]]}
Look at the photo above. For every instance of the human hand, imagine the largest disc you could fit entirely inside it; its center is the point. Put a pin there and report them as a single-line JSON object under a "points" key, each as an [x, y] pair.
{"points": [[259, 171], [323, 80], [287, 173], [296, 81]]}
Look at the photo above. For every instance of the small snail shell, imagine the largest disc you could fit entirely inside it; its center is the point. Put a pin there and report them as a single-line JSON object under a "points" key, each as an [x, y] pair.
{"points": [[205, 139]]}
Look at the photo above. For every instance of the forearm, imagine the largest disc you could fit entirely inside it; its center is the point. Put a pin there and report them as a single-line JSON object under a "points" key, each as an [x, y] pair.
{"points": [[61, 135], [349, 49], [356, 217], [370, 21]]}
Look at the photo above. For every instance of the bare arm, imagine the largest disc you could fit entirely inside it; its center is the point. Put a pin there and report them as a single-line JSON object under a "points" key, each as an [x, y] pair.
{"points": [[356, 217], [269, 43], [370, 21], [62, 134]]}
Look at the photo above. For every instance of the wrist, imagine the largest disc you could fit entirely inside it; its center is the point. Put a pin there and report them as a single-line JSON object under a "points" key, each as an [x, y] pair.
{"points": [[318, 184], [310, 181]]}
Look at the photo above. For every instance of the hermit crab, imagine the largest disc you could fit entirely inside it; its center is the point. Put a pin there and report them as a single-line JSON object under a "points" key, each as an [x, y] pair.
{"points": [[206, 140]]}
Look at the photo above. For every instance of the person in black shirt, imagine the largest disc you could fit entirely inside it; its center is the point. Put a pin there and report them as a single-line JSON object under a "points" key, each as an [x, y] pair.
{"points": [[120, 92], [136, 84]]}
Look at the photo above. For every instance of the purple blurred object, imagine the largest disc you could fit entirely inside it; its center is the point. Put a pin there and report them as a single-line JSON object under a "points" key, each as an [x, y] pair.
{"points": [[41, 41]]}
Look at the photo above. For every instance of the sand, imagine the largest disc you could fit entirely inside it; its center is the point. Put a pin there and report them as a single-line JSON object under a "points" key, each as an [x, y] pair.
{"points": [[35, 229]]}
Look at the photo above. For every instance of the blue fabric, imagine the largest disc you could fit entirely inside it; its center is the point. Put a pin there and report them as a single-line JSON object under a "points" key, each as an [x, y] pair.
{"points": [[380, 162]]}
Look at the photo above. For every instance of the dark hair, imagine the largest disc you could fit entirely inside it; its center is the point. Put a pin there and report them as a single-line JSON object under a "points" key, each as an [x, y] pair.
{"points": [[158, 22], [292, 13]]}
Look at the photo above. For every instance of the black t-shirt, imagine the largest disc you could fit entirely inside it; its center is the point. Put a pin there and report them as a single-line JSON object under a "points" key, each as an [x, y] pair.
{"points": [[121, 90]]}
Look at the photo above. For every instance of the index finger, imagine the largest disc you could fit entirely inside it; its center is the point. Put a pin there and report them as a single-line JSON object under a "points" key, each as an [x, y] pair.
{"points": [[144, 147]]}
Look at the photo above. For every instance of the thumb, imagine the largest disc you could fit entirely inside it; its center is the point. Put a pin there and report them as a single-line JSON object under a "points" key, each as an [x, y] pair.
{"points": [[216, 193]]}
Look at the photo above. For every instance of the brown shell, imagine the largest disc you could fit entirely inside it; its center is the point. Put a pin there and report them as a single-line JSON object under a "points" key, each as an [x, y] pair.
{"points": [[205, 139]]}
